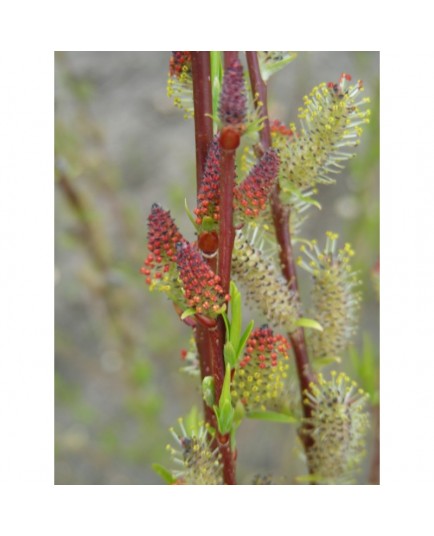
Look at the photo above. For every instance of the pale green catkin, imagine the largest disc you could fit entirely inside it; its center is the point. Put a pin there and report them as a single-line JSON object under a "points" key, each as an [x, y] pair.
{"points": [[264, 286], [197, 463], [338, 426], [335, 298]]}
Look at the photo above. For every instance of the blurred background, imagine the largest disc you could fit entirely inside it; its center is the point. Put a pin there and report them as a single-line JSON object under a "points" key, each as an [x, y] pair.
{"points": [[120, 146]]}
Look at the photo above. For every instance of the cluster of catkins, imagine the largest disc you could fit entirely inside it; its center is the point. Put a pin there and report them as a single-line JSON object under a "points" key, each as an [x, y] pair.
{"points": [[299, 159]]}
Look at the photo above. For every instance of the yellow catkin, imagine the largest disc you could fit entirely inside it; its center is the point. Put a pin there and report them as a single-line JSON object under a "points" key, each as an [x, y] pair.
{"points": [[265, 287], [330, 126], [265, 364], [197, 463], [335, 297], [338, 426]]}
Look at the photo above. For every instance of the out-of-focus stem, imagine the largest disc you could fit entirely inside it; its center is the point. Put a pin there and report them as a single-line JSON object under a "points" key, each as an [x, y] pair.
{"points": [[374, 476], [91, 240]]}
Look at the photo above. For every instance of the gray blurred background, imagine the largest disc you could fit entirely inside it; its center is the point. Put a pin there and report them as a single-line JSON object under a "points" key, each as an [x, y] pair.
{"points": [[120, 146]]}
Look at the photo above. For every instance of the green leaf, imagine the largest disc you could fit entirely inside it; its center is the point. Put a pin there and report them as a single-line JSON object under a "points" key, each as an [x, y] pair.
{"points": [[226, 389], [244, 338], [216, 81], [190, 215], [225, 417], [324, 361], [309, 323], [272, 416], [229, 354], [164, 473], [227, 325], [225, 412], [187, 313], [270, 68], [208, 390], [236, 315]]}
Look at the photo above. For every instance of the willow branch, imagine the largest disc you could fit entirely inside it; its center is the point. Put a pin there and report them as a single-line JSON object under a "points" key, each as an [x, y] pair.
{"points": [[210, 340], [202, 109], [281, 215]]}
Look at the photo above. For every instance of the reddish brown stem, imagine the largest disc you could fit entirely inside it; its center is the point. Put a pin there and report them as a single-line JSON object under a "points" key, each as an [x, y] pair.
{"points": [[209, 340], [229, 476], [227, 232], [203, 136], [202, 97], [374, 475], [281, 215]]}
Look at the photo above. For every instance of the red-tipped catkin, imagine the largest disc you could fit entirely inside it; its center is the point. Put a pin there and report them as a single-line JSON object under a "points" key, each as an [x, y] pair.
{"points": [[180, 82], [209, 193], [163, 235], [180, 62], [252, 194], [264, 285], [233, 99], [202, 288], [160, 268], [259, 379]]}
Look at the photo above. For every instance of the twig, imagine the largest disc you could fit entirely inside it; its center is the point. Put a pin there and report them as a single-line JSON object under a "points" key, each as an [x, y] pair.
{"points": [[210, 340], [281, 215]]}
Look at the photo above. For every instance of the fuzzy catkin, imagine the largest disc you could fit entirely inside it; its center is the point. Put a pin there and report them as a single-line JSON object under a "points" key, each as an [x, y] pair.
{"points": [[260, 377], [265, 287], [338, 426], [197, 462], [331, 125], [335, 297]]}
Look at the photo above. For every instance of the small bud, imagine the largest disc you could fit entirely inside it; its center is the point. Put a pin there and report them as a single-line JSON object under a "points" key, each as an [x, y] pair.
{"points": [[229, 138], [208, 243]]}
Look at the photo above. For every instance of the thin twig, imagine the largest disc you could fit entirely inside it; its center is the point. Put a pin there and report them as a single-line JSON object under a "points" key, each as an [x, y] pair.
{"points": [[210, 340], [281, 215]]}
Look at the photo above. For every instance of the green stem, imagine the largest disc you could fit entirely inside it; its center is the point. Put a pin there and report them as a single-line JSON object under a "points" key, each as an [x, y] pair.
{"points": [[216, 82]]}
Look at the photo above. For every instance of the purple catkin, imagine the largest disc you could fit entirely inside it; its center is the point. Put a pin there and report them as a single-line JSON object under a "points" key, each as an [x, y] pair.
{"points": [[209, 193], [233, 99], [163, 236], [202, 288], [252, 194]]}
